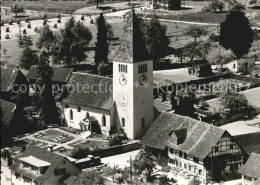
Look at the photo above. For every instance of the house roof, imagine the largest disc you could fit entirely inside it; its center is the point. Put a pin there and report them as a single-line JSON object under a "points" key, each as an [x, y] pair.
{"points": [[34, 161], [252, 166], [249, 142], [132, 48], [8, 78], [41, 154], [200, 139], [161, 106], [68, 179], [61, 74], [93, 91], [7, 111]]}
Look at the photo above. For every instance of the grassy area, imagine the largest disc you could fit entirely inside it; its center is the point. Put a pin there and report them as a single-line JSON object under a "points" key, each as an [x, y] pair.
{"points": [[52, 6], [202, 17]]}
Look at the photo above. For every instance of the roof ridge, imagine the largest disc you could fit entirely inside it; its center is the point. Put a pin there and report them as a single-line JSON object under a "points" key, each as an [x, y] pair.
{"points": [[91, 75]]}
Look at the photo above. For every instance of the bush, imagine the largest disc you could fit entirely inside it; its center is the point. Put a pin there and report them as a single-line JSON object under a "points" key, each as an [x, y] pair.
{"points": [[10, 22], [36, 29], [118, 138], [58, 16], [18, 21], [82, 18], [29, 26], [27, 19], [44, 23], [7, 29], [55, 26], [59, 21], [7, 36], [24, 31]]}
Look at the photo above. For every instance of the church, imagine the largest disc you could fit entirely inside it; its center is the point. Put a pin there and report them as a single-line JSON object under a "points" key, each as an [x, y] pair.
{"points": [[100, 104]]}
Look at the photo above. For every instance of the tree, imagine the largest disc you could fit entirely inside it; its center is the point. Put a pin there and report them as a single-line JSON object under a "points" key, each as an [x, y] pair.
{"points": [[89, 178], [71, 43], [46, 39], [195, 32], [233, 102], [17, 9], [118, 138], [216, 4], [145, 163], [104, 69], [46, 102], [25, 40], [156, 40], [219, 56], [236, 33], [101, 51], [98, 2], [29, 58]]}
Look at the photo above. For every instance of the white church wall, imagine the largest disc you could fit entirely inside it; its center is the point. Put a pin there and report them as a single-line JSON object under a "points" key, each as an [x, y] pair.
{"points": [[79, 116]]}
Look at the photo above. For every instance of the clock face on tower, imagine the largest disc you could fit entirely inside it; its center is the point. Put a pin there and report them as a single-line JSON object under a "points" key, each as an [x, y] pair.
{"points": [[122, 80], [143, 79]]}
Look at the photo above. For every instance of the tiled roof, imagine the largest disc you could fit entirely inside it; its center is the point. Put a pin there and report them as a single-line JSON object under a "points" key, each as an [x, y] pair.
{"points": [[42, 154], [249, 142], [252, 166], [68, 179], [8, 78], [7, 111], [132, 48], [201, 137], [61, 74], [161, 106], [98, 94]]}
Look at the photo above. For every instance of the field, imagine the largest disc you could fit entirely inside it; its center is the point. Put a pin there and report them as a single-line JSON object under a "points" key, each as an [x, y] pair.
{"points": [[65, 7]]}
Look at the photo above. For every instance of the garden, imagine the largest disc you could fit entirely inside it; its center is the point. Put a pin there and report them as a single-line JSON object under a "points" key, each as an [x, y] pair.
{"points": [[53, 136]]}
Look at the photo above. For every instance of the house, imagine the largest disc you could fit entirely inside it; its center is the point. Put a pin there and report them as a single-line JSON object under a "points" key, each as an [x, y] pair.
{"points": [[241, 65], [196, 147], [41, 167], [164, 4], [14, 85], [249, 142], [126, 101], [251, 170], [61, 76]]}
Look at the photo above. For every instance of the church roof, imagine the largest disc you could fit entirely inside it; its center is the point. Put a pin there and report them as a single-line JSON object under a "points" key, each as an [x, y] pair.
{"points": [[132, 48], [8, 78], [201, 137], [89, 90], [7, 111]]}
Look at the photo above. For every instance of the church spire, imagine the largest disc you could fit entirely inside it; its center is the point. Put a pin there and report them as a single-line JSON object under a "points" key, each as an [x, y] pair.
{"points": [[132, 48]]}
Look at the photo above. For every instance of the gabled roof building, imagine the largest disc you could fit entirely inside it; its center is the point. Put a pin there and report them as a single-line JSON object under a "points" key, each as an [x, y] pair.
{"points": [[194, 146], [251, 170], [41, 167]]}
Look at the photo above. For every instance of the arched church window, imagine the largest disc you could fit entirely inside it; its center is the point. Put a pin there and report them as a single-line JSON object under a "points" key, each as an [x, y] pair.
{"points": [[79, 109], [145, 67], [126, 69], [119, 67], [143, 123], [123, 122], [87, 114], [123, 68], [104, 121], [71, 114]]}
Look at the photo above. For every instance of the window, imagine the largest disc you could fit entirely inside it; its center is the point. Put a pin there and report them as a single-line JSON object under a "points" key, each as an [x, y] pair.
{"points": [[87, 114], [234, 66], [200, 172], [79, 109], [171, 150], [122, 68], [104, 122], [143, 123], [231, 146], [180, 154], [123, 122], [185, 165], [71, 115], [61, 171], [185, 156], [142, 68], [216, 149]]}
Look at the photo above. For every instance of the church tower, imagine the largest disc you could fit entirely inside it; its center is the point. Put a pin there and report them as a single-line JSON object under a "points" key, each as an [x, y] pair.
{"points": [[133, 82]]}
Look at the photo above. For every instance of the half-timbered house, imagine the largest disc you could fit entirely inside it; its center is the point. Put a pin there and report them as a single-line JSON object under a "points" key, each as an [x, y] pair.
{"points": [[198, 148]]}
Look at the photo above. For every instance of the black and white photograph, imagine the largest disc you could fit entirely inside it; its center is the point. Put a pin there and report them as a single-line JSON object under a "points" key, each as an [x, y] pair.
{"points": [[130, 92]]}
